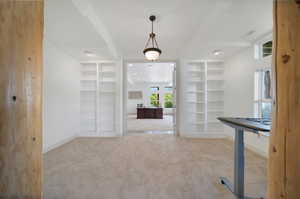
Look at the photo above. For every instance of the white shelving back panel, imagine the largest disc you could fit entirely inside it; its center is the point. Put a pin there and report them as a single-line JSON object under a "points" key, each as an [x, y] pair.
{"points": [[195, 97], [101, 98], [203, 96], [88, 98], [88, 111], [215, 96], [107, 113], [107, 98]]}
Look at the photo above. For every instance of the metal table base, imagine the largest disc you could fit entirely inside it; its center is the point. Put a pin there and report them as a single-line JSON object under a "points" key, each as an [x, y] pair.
{"points": [[239, 167]]}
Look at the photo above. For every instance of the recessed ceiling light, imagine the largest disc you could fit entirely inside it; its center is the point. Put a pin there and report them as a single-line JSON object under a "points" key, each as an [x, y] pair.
{"points": [[89, 53], [172, 64], [130, 65], [218, 52]]}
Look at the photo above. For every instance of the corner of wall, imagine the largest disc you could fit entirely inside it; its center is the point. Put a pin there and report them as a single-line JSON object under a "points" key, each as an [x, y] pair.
{"points": [[58, 144], [61, 97]]}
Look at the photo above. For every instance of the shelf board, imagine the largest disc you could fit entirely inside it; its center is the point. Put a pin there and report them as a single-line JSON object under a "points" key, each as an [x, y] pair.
{"points": [[88, 80], [89, 71], [193, 102], [215, 90], [88, 90], [196, 62], [195, 91], [215, 111], [198, 123], [215, 69], [107, 81], [215, 79], [215, 100], [196, 71], [112, 92], [87, 118], [196, 81], [195, 112], [107, 72]]}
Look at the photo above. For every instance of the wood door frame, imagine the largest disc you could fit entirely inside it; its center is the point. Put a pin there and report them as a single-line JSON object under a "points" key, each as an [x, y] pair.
{"points": [[21, 80], [284, 186], [284, 161]]}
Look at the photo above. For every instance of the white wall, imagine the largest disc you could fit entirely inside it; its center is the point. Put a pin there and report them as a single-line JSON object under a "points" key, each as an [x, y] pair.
{"points": [[239, 93], [145, 88], [61, 97]]}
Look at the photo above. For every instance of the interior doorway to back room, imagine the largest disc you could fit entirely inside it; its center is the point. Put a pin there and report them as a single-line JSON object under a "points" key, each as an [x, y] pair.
{"points": [[151, 98]]}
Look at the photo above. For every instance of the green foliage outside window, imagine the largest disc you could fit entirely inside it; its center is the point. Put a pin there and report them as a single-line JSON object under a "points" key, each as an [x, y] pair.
{"points": [[267, 48], [168, 100], [154, 99]]}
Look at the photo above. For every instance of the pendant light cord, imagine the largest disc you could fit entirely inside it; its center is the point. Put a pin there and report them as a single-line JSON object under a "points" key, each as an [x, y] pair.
{"points": [[152, 38], [152, 27]]}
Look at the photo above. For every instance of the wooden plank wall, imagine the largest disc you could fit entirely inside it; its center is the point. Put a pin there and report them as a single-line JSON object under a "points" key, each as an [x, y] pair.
{"points": [[284, 161], [21, 35]]}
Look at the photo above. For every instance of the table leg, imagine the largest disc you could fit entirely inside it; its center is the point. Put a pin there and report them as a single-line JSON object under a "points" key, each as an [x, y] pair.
{"points": [[239, 163], [239, 167]]}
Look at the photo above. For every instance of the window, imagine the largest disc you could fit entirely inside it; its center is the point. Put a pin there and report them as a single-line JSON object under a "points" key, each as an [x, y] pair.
{"points": [[262, 94], [168, 97], [267, 48], [154, 97], [155, 89], [169, 89], [168, 100]]}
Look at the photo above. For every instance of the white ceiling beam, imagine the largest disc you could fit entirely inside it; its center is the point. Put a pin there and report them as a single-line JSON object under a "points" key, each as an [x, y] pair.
{"points": [[86, 9]]}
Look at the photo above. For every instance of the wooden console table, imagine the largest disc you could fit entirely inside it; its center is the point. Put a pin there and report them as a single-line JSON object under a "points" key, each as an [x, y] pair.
{"points": [[149, 113]]}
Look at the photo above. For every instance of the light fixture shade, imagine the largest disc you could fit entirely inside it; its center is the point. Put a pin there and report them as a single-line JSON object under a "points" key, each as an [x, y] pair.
{"points": [[152, 54]]}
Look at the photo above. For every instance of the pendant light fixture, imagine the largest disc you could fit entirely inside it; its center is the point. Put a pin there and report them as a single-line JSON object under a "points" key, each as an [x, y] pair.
{"points": [[151, 51]]}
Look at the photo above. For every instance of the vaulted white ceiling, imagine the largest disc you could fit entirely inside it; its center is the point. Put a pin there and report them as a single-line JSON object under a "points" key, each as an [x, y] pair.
{"points": [[69, 30], [185, 28], [150, 73]]}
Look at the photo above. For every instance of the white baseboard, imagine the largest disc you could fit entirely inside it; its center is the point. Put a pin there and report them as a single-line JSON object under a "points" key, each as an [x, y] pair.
{"points": [[257, 151], [204, 135], [67, 140], [253, 149], [222, 136], [54, 146], [95, 134], [99, 136]]}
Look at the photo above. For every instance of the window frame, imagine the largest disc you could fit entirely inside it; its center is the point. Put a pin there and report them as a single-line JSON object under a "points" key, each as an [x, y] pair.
{"points": [[262, 49], [258, 93], [258, 47], [165, 101], [263, 61], [157, 93]]}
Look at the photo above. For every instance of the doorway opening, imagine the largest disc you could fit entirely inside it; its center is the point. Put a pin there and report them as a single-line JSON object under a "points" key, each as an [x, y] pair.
{"points": [[150, 100]]}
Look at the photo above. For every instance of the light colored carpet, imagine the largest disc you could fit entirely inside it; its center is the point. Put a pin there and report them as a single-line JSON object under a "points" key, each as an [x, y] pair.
{"points": [[140, 125], [143, 166]]}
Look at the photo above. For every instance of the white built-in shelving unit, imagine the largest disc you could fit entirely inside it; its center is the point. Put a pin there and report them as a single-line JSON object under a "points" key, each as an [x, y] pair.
{"points": [[204, 95], [100, 98]]}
